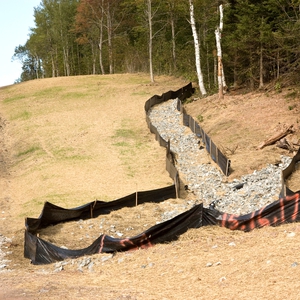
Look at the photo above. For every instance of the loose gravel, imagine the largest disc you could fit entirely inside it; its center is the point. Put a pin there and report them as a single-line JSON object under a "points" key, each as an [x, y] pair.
{"points": [[4, 241]]}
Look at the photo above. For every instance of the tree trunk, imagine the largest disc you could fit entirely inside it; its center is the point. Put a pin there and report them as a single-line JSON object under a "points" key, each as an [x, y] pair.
{"points": [[261, 68], [221, 77], [93, 57], [172, 24], [66, 61], [101, 41], [278, 66], [64, 43], [100, 58], [149, 13], [251, 77], [197, 49], [208, 66], [220, 67], [53, 66], [173, 43], [56, 63], [235, 75], [36, 65], [109, 40]]}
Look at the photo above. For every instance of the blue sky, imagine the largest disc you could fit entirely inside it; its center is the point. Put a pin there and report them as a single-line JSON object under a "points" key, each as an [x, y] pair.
{"points": [[16, 18]]}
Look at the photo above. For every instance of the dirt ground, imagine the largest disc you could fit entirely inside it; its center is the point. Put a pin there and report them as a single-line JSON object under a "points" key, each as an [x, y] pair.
{"points": [[73, 140]]}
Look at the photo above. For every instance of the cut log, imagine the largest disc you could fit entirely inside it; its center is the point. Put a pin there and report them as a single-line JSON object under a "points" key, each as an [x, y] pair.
{"points": [[279, 135]]}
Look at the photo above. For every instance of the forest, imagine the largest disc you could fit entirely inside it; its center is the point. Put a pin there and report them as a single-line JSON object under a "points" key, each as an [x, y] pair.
{"points": [[259, 39]]}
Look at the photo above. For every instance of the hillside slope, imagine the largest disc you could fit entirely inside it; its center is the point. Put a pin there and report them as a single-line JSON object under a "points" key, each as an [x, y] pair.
{"points": [[72, 140], [241, 122]]}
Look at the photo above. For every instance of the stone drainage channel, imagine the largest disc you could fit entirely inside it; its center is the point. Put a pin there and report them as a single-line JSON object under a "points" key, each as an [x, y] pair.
{"points": [[247, 194]]}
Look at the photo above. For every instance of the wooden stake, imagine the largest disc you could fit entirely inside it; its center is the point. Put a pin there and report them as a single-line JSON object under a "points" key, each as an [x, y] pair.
{"points": [[175, 181], [136, 196], [92, 208]]}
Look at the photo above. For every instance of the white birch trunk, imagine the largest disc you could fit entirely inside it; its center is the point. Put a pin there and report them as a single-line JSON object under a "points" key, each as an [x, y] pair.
{"points": [[197, 50], [220, 67], [221, 77]]}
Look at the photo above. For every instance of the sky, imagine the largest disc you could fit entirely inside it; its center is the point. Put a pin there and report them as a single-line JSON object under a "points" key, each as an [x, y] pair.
{"points": [[16, 19]]}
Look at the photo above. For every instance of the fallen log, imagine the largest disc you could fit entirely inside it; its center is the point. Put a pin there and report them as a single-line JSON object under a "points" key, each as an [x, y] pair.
{"points": [[279, 135]]}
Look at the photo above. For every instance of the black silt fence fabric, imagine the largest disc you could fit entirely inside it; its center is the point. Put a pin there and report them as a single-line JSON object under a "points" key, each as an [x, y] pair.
{"points": [[213, 151], [210, 147], [198, 131], [223, 162], [43, 252], [282, 211], [53, 214]]}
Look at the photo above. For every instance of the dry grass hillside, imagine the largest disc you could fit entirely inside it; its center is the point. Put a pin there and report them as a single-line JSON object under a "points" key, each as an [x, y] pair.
{"points": [[73, 140]]}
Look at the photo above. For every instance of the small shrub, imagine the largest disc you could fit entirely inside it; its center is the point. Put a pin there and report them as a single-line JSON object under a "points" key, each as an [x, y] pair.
{"points": [[277, 87], [200, 118]]}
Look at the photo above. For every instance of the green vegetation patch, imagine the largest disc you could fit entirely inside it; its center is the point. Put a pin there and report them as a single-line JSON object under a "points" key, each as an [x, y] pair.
{"points": [[141, 93], [130, 138], [49, 92], [24, 115], [69, 153], [29, 150], [125, 133], [129, 141], [14, 98], [200, 118], [74, 95]]}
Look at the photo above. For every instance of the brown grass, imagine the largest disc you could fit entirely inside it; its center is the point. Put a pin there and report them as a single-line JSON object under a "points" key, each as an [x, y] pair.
{"points": [[73, 140]]}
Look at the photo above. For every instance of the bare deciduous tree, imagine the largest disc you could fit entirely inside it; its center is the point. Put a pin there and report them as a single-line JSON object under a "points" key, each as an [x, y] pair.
{"points": [[197, 49]]}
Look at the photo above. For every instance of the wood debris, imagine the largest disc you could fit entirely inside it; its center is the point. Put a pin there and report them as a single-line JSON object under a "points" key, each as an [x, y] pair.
{"points": [[284, 131]]}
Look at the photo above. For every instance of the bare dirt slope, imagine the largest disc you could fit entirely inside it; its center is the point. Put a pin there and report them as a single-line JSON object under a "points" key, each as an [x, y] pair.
{"points": [[241, 122], [73, 140]]}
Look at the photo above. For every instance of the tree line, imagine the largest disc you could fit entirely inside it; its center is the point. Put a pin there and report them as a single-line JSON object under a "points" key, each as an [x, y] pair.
{"points": [[260, 39]]}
